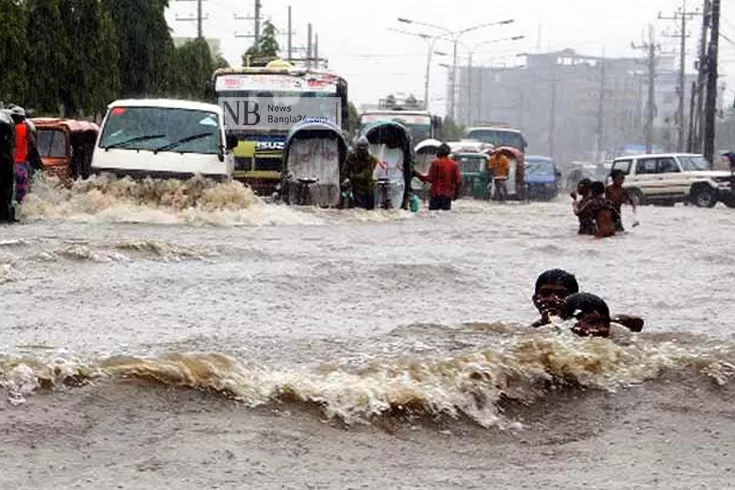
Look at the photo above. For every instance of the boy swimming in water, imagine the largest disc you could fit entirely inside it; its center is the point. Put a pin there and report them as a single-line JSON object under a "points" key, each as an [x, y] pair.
{"points": [[551, 288], [549, 298], [590, 311]]}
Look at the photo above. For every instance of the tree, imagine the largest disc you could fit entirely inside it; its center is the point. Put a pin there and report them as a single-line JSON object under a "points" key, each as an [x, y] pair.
{"points": [[13, 51], [266, 49], [47, 45], [452, 130], [194, 68], [147, 54], [91, 78]]}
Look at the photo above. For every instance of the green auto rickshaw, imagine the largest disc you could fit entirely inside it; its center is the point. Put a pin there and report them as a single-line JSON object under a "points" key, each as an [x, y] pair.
{"points": [[475, 173]]}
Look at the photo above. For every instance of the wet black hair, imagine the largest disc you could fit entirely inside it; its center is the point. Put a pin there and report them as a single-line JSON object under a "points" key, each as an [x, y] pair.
{"points": [[443, 151], [558, 276], [585, 182], [585, 303], [597, 188], [617, 173]]}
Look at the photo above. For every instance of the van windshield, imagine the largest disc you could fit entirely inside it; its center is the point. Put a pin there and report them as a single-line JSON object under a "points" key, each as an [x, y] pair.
{"points": [[162, 129]]}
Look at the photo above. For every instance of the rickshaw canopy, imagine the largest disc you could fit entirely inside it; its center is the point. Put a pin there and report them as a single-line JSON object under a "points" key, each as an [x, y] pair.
{"points": [[427, 145]]}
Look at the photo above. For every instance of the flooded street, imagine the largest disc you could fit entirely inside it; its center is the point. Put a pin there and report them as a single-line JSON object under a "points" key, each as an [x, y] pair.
{"points": [[306, 317]]}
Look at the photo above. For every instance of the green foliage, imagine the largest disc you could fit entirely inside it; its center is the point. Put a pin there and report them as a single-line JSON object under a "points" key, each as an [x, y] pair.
{"points": [[147, 57], [266, 49], [47, 48], [13, 50], [73, 57], [194, 68]]}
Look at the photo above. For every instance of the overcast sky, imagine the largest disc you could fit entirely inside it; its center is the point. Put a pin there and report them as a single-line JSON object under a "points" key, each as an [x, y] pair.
{"points": [[356, 38]]}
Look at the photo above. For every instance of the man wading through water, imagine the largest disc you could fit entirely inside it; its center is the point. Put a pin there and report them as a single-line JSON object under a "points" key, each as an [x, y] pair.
{"points": [[359, 170], [7, 167], [445, 179]]}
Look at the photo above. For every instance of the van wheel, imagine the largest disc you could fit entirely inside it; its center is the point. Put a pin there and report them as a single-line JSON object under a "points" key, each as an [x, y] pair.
{"points": [[704, 196], [637, 197]]}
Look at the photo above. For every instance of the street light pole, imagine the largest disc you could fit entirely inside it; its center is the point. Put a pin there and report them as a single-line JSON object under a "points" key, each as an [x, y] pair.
{"points": [[454, 36]]}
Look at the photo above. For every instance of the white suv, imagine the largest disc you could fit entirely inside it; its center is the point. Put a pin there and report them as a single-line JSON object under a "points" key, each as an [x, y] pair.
{"points": [[666, 179]]}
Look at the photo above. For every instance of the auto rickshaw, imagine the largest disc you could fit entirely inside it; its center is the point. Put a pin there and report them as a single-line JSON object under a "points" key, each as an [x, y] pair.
{"points": [[313, 157], [475, 174], [516, 177], [426, 152], [66, 146], [390, 143], [7, 167]]}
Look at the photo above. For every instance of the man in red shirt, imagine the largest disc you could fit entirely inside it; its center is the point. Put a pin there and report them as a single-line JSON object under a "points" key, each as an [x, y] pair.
{"points": [[445, 179]]}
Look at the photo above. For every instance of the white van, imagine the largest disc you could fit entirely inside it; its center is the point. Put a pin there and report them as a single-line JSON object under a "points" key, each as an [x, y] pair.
{"points": [[164, 138]]}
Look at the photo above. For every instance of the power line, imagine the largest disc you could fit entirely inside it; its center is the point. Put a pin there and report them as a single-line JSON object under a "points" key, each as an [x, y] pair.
{"points": [[650, 48], [681, 15], [199, 18]]}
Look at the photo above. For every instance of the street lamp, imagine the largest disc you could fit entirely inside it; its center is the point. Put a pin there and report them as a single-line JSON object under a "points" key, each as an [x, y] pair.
{"points": [[431, 42], [454, 36]]}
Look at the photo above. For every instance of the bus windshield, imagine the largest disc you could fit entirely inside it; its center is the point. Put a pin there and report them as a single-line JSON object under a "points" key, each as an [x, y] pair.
{"points": [[499, 137]]}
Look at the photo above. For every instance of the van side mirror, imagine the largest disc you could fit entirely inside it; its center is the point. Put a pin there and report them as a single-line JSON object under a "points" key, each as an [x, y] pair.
{"points": [[231, 141]]}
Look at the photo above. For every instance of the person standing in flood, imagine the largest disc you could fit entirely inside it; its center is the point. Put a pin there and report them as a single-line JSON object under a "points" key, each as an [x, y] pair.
{"points": [[586, 223], [7, 167], [599, 209], [445, 179], [359, 170], [618, 195], [499, 165], [24, 144]]}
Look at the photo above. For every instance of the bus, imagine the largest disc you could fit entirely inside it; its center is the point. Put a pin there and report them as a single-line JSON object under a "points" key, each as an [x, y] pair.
{"points": [[262, 104], [499, 136], [422, 125]]}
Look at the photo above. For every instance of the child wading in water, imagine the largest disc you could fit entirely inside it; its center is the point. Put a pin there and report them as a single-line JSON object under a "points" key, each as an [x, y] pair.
{"points": [[618, 195], [599, 209]]}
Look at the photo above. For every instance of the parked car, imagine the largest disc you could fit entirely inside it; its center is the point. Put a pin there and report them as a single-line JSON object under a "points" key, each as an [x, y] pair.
{"points": [[666, 179], [542, 178]]}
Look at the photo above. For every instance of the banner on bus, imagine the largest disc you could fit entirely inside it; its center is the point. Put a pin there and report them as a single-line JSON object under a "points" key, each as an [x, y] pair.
{"points": [[317, 83], [277, 113]]}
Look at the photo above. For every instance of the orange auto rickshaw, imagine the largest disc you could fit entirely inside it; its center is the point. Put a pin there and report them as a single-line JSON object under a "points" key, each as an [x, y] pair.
{"points": [[66, 146]]}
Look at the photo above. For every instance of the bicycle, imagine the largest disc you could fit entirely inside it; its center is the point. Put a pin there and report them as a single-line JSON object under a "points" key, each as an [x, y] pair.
{"points": [[384, 200], [303, 191]]}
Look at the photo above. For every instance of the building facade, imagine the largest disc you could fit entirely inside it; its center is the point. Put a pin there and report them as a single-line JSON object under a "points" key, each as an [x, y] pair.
{"points": [[570, 106]]}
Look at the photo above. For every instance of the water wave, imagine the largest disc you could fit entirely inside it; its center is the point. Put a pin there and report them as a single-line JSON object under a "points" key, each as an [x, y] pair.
{"points": [[197, 201], [524, 367]]}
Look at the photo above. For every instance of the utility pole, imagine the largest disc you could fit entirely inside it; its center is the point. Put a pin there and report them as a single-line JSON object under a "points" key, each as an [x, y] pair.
{"points": [[600, 111], [316, 48], [692, 118], [199, 18], [256, 19], [650, 47], [683, 16], [711, 102], [698, 140], [290, 43], [309, 46]]}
